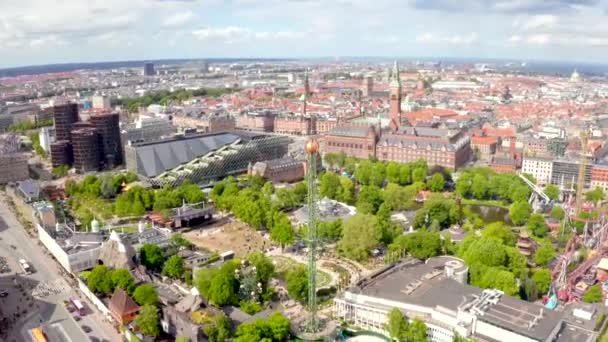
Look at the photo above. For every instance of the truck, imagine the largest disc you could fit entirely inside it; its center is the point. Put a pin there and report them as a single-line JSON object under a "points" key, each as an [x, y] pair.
{"points": [[25, 266]]}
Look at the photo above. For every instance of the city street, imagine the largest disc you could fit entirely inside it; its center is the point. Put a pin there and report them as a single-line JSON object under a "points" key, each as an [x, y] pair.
{"points": [[48, 285]]}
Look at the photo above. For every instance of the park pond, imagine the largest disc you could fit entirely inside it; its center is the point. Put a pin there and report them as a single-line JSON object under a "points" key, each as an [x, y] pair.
{"points": [[491, 214]]}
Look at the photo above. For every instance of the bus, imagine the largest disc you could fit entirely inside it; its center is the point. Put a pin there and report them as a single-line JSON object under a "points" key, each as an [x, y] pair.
{"points": [[25, 266], [78, 305], [38, 335]]}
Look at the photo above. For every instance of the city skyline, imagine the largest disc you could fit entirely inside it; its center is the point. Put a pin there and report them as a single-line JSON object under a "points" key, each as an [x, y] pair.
{"points": [[558, 30]]}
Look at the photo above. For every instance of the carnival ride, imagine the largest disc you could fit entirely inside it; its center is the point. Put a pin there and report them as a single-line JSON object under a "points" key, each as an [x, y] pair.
{"points": [[592, 222]]}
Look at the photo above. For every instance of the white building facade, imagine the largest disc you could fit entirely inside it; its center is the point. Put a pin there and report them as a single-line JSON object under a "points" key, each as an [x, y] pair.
{"points": [[539, 168]]}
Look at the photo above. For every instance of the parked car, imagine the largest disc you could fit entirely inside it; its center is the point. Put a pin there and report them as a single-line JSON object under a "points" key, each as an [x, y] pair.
{"points": [[86, 329], [3, 293]]}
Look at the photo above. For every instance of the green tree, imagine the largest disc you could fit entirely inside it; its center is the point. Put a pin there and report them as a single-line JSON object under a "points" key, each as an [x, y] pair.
{"points": [[99, 281], [397, 325], [174, 267], [593, 295], [370, 198], [542, 278], [500, 231], [420, 244], [223, 286], [595, 195], [297, 283], [330, 230], [537, 225], [281, 231], [152, 257], [479, 186], [378, 174], [148, 320], [364, 172], [395, 196], [108, 189], [405, 174], [347, 190], [544, 255], [520, 212], [436, 183], [219, 329], [552, 192], [145, 294], [486, 251], [463, 185], [122, 278], [263, 265], [419, 174], [393, 172], [279, 326], [416, 331], [330, 186], [558, 213], [360, 234]]}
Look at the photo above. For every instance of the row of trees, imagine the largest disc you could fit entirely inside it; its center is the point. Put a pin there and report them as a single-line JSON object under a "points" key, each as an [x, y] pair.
{"points": [[252, 204], [164, 97], [484, 184], [221, 285], [495, 262], [103, 281], [401, 329], [136, 200], [29, 125]]}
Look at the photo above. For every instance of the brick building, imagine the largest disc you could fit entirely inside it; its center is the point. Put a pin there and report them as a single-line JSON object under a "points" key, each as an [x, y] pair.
{"points": [[447, 148], [284, 170], [599, 177], [504, 164], [484, 146], [210, 123], [450, 149], [257, 122], [356, 141], [295, 126]]}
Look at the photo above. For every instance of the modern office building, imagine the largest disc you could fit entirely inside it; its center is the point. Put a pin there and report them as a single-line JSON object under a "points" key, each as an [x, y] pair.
{"points": [[564, 173], [65, 116], [61, 153], [201, 158], [86, 147], [149, 69], [107, 126]]}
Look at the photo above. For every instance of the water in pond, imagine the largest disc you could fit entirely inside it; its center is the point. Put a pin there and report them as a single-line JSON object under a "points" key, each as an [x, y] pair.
{"points": [[491, 214]]}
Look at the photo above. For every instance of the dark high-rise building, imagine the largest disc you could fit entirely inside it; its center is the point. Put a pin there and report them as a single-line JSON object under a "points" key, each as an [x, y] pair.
{"points": [[107, 126], [61, 153], [149, 69], [65, 116], [86, 145]]}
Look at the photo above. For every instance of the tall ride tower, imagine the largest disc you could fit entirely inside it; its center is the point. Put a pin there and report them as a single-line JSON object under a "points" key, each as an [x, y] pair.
{"points": [[395, 99], [312, 150]]}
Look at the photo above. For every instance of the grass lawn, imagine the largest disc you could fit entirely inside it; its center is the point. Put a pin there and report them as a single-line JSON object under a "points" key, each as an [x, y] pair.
{"points": [[285, 264]]}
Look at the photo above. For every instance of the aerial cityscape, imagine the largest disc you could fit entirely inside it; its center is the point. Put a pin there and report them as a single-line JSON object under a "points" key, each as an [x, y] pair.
{"points": [[303, 171]]}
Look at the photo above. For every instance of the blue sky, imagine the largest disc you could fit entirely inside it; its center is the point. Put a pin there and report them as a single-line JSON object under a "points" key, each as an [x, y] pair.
{"points": [[59, 31]]}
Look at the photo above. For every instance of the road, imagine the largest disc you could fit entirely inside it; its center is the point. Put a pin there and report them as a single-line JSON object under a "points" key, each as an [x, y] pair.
{"points": [[50, 279]]}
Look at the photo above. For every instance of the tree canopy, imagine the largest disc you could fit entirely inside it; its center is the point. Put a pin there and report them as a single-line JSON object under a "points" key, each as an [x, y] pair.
{"points": [[219, 285], [360, 234], [174, 267], [420, 244], [520, 212], [152, 257], [148, 320], [274, 328], [593, 294], [145, 294], [297, 283]]}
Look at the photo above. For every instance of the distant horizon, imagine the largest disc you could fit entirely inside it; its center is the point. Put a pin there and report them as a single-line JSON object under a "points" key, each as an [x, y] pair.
{"points": [[133, 63]]}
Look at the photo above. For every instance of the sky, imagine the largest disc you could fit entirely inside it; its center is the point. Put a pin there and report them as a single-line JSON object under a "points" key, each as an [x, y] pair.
{"points": [[66, 31]]}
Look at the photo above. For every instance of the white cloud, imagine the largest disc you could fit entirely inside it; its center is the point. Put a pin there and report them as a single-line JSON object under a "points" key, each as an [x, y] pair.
{"points": [[539, 39], [179, 19], [541, 22], [456, 39], [232, 34]]}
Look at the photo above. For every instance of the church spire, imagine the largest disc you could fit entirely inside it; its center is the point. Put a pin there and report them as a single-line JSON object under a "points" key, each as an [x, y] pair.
{"points": [[395, 77]]}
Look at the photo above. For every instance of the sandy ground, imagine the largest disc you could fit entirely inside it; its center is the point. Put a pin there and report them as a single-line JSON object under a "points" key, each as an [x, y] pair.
{"points": [[229, 235]]}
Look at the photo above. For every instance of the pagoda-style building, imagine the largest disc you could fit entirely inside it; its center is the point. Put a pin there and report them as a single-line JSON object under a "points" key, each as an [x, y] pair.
{"points": [[525, 244]]}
